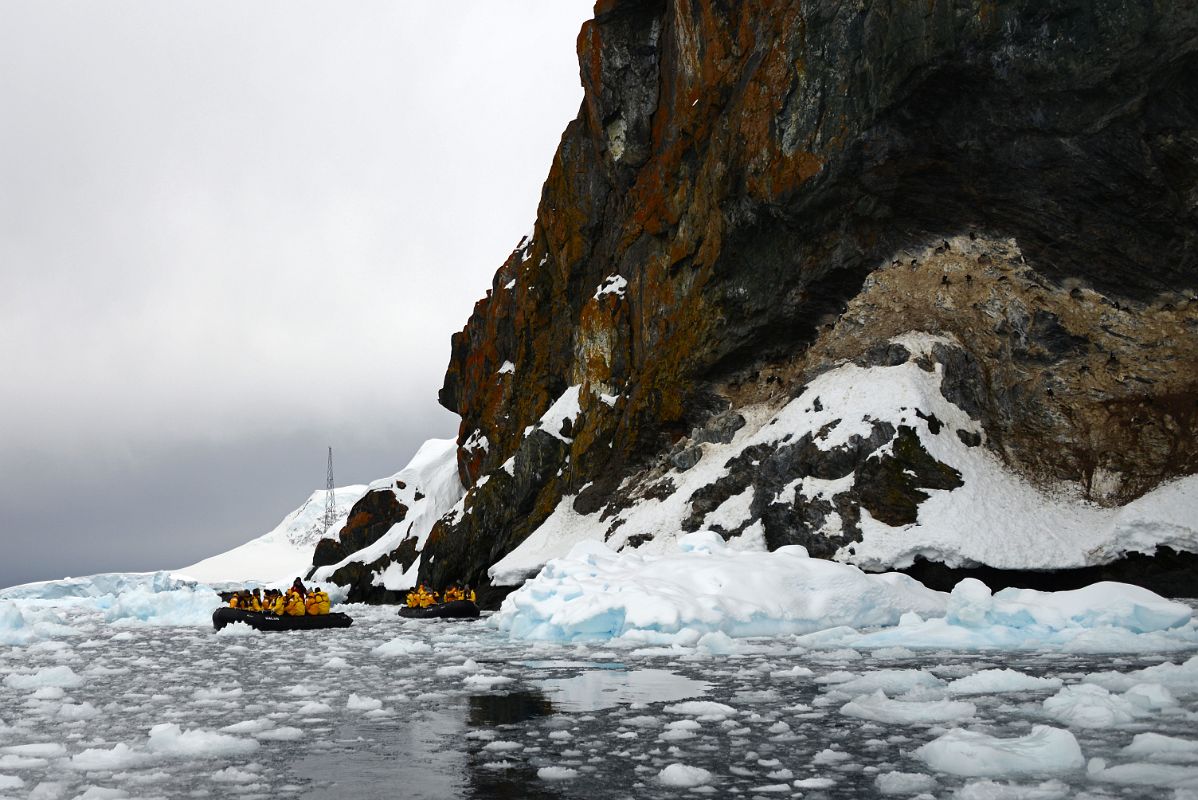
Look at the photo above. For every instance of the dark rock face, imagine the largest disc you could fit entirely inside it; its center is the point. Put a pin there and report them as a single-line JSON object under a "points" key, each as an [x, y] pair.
{"points": [[371, 517], [888, 486], [780, 184]]}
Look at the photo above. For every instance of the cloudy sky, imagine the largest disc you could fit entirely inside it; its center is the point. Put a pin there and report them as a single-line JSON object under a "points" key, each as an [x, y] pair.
{"points": [[232, 234]]}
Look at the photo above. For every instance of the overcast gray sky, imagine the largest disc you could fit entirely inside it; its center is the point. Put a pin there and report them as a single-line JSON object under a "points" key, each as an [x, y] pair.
{"points": [[234, 233]]}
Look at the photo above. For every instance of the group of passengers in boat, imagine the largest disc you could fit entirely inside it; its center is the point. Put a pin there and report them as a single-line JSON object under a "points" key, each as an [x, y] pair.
{"points": [[421, 597], [297, 601]]}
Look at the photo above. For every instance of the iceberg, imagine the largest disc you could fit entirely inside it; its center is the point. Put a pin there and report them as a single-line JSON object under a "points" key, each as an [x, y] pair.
{"points": [[704, 587], [708, 591]]}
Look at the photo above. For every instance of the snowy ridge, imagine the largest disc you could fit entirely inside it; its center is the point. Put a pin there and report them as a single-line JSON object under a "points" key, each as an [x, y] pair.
{"points": [[282, 554], [430, 488], [996, 518]]}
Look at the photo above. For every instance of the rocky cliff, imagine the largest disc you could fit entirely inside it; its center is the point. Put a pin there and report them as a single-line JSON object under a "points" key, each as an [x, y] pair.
{"points": [[757, 193]]}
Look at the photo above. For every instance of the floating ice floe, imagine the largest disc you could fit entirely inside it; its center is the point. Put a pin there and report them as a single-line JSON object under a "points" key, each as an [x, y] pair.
{"points": [[1144, 774], [999, 681], [1180, 679], [154, 598], [1091, 706], [706, 587], [683, 776], [1158, 747], [1103, 618], [904, 783], [880, 708], [1044, 751]]}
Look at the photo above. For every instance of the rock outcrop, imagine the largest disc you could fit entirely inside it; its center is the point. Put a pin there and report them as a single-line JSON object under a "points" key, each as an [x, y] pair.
{"points": [[754, 193]]}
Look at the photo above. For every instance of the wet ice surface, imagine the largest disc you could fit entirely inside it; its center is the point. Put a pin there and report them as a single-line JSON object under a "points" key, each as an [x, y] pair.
{"points": [[420, 708]]}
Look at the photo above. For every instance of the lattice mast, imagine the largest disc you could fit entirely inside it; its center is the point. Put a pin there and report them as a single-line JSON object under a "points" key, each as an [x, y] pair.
{"points": [[330, 505]]}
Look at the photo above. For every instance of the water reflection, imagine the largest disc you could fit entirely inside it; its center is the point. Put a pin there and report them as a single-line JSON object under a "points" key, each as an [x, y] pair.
{"points": [[421, 756], [507, 709], [596, 690]]}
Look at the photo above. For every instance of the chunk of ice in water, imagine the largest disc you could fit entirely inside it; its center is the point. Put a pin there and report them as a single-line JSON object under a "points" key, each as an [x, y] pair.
{"points": [[61, 677], [1090, 706], [991, 790], [904, 783], [1157, 747], [557, 773], [683, 776], [1046, 750], [402, 646], [169, 739], [284, 734], [1143, 774], [362, 703], [702, 709], [997, 681], [880, 708], [119, 757]]}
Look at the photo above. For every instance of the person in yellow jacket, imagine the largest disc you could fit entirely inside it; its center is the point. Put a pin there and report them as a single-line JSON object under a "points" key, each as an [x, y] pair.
{"points": [[426, 598], [279, 604], [453, 594], [413, 599], [295, 604], [325, 603], [255, 598], [234, 601], [469, 595]]}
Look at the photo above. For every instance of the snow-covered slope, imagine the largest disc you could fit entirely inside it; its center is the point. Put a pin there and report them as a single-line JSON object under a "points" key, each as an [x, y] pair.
{"points": [[428, 486], [282, 554], [991, 517]]}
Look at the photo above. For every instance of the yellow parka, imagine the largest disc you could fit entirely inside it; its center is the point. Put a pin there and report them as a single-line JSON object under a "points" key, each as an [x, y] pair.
{"points": [[295, 605], [279, 606]]}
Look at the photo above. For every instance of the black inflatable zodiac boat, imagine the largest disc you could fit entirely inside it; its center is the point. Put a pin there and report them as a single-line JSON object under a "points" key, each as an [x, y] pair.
{"points": [[273, 622], [456, 609]]}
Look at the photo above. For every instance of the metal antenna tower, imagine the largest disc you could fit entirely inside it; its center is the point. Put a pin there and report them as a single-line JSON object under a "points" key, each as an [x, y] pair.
{"points": [[330, 507]]}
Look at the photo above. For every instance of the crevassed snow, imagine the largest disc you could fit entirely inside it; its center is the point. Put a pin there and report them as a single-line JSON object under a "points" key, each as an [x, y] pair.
{"points": [[704, 587]]}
